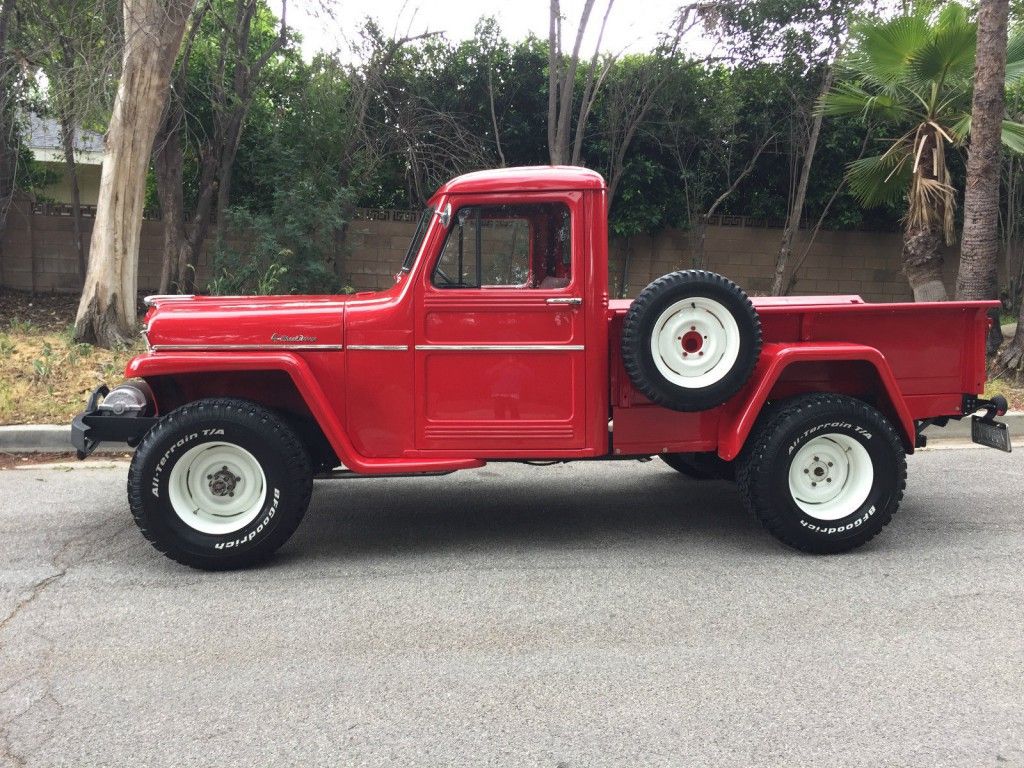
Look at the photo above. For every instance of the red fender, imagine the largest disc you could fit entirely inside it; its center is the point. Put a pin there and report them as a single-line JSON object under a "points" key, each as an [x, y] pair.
{"points": [[733, 432], [164, 364]]}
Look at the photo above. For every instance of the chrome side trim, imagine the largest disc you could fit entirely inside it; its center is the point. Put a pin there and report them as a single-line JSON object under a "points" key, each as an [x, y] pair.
{"points": [[380, 347], [499, 347], [149, 301], [242, 347]]}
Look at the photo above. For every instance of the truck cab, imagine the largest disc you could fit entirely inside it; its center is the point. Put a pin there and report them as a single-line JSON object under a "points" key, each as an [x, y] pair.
{"points": [[498, 342]]}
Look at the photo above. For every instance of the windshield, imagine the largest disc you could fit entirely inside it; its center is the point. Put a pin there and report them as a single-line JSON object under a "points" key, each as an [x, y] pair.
{"points": [[417, 239]]}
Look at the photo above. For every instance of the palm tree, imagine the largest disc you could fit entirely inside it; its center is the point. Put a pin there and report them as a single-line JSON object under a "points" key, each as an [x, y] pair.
{"points": [[913, 73], [976, 277]]}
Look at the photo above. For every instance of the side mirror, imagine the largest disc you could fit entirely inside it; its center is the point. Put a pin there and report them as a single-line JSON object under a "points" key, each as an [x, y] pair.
{"points": [[445, 215]]}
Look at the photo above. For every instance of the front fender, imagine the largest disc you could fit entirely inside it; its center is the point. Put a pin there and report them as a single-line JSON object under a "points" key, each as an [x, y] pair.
{"points": [[774, 360], [155, 364]]}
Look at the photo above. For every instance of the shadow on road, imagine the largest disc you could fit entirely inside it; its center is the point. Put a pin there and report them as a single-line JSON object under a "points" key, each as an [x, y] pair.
{"points": [[500, 508]]}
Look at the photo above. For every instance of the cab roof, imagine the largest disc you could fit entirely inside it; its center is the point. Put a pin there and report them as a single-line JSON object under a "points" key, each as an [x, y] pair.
{"points": [[527, 178]]}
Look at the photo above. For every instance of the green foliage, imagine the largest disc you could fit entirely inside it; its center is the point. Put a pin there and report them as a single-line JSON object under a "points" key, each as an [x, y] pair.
{"points": [[912, 76], [288, 249], [43, 365]]}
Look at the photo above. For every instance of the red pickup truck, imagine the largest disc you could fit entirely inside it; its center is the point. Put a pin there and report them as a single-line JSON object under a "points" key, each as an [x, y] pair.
{"points": [[498, 342]]}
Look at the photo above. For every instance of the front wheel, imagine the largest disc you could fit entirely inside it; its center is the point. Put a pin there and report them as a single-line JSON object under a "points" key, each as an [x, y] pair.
{"points": [[219, 484], [824, 473]]}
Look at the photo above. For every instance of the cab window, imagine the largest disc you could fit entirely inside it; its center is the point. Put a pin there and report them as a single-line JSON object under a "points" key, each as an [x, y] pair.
{"points": [[507, 246]]}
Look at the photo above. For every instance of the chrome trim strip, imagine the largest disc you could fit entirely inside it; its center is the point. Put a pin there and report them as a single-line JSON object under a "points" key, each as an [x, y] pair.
{"points": [[149, 301], [380, 347], [242, 347], [499, 347]]}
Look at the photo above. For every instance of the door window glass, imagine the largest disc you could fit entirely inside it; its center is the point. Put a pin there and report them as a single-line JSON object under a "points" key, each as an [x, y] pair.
{"points": [[507, 246]]}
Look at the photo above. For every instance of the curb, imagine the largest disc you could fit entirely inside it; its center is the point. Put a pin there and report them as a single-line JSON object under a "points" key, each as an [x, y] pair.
{"points": [[54, 438], [46, 438], [961, 430]]}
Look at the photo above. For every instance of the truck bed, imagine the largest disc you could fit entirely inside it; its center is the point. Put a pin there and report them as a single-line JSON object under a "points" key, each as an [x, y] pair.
{"points": [[935, 352]]}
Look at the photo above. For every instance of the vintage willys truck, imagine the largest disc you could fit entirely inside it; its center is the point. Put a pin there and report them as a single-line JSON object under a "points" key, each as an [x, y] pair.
{"points": [[498, 342]]}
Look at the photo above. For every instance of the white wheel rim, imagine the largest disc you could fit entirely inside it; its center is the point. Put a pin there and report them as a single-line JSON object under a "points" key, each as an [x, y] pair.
{"points": [[831, 477], [217, 488], [695, 342]]}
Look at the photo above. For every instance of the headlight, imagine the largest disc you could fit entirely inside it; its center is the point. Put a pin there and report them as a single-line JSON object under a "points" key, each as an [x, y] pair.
{"points": [[134, 398]]}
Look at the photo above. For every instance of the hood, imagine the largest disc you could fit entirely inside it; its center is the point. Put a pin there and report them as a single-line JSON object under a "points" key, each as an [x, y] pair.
{"points": [[247, 322]]}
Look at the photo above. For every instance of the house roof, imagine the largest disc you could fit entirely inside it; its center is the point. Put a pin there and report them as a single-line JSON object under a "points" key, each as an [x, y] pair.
{"points": [[43, 138]]}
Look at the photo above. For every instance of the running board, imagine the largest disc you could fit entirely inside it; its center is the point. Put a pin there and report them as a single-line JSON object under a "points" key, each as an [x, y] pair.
{"points": [[348, 474]]}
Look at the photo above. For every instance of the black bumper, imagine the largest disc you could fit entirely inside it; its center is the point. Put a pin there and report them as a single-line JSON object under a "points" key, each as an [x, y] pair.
{"points": [[93, 426]]}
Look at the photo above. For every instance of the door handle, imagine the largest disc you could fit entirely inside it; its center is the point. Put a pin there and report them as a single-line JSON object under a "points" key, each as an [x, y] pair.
{"points": [[574, 301]]}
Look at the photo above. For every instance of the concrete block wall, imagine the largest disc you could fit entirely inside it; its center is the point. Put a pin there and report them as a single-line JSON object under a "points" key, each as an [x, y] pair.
{"points": [[37, 253]]}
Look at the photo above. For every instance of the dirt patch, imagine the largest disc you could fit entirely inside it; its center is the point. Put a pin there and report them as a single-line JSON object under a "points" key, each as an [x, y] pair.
{"points": [[45, 377]]}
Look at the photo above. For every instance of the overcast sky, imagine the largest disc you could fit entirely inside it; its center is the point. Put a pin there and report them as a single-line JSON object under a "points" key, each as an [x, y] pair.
{"points": [[633, 25]]}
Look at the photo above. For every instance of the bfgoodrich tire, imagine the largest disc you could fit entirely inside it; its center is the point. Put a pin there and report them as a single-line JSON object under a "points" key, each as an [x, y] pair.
{"points": [[219, 484], [823, 473], [690, 340]]}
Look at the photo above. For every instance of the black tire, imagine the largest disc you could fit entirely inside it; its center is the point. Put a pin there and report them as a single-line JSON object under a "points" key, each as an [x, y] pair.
{"points": [[642, 321], [700, 466], [764, 471], [279, 454]]}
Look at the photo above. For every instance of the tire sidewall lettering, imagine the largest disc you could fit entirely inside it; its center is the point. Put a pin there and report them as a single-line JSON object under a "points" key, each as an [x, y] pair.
{"points": [[863, 517]]}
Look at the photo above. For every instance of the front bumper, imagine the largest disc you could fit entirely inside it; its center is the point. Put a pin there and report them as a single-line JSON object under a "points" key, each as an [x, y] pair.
{"points": [[95, 425]]}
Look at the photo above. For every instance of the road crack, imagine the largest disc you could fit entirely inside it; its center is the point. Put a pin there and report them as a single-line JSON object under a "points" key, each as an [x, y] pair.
{"points": [[76, 551]]}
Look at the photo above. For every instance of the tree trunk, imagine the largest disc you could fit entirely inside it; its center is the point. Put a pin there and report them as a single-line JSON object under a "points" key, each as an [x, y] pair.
{"points": [[167, 168], [797, 211], [8, 152], [153, 31], [979, 248], [922, 262], [67, 137], [1009, 362]]}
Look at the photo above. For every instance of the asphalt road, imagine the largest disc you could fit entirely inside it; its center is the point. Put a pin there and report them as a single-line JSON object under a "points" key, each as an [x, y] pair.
{"points": [[582, 615]]}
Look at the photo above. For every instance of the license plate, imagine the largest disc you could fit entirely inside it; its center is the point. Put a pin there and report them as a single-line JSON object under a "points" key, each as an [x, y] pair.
{"points": [[994, 434]]}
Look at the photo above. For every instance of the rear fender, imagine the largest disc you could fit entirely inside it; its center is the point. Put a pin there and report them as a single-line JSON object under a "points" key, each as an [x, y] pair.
{"points": [[159, 364], [776, 358]]}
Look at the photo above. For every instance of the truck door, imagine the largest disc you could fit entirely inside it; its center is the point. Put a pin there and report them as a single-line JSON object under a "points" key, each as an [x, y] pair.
{"points": [[500, 329]]}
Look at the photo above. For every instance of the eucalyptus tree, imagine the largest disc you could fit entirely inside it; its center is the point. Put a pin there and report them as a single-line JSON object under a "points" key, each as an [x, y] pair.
{"points": [[152, 35], [794, 34], [76, 44], [231, 45], [912, 74]]}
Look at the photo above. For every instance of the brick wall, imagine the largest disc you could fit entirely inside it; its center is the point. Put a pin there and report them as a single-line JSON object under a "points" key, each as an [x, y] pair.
{"points": [[37, 253]]}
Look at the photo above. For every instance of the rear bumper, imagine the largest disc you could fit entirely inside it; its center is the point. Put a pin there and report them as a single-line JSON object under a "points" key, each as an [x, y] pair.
{"points": [[94, 426]]}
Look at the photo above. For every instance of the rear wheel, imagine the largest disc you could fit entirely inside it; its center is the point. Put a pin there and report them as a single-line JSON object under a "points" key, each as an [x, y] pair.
{"points": [[219, 484], [824, 473]]}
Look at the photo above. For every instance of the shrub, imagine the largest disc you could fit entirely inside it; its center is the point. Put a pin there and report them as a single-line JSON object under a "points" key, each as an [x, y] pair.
{"points": [[291, 249]]}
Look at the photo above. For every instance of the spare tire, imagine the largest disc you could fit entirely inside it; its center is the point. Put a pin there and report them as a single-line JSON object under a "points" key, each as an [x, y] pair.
{"points": [[690, 340]]}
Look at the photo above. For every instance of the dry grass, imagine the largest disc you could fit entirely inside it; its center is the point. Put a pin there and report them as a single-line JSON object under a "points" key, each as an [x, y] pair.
{"points": [[1014, 393], [44, 376]]}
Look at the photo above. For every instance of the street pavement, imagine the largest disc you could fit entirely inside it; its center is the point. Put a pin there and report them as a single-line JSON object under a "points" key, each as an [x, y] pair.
{"points": [[594, 614]]}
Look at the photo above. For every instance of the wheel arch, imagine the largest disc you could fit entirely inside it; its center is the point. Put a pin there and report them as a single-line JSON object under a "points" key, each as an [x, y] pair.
{"points": [[280, 382], [167, 369], [788, 370]]}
